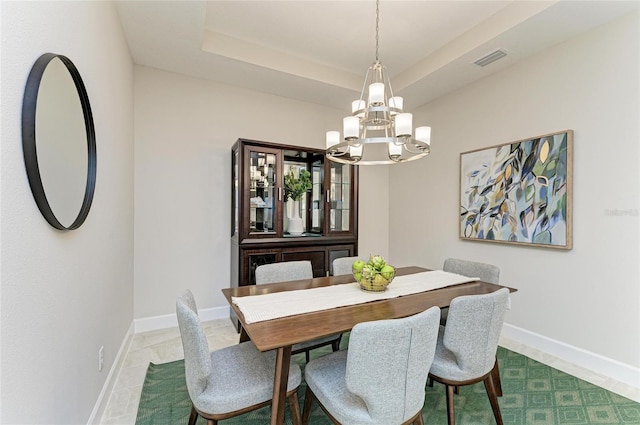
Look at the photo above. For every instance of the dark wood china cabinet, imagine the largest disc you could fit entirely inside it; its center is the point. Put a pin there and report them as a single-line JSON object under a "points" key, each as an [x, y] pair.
{"points": [[260, 216]]}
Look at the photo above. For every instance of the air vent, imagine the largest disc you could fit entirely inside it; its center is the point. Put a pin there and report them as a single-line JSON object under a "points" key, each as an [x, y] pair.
{"points": [[491, 57]]}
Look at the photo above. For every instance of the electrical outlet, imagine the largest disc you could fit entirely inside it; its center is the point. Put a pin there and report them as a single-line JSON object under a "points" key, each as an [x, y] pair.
{"points": [[100, 358]]}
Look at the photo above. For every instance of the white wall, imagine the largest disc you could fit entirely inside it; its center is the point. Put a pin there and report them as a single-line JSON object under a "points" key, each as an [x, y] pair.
{"points": [[373, 215], [184, 130], [65, 294], [588, 297]]}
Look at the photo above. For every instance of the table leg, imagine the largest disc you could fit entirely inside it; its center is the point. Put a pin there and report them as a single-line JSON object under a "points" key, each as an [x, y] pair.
{"points": [[244, 337], [281, 377]]}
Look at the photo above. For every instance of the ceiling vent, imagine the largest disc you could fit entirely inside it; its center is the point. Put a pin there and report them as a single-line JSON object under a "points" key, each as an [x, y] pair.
{"points": [[491, 57]]}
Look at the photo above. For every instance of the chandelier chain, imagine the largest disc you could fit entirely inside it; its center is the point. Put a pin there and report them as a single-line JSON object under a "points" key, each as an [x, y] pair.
{"points": [[377, 28]]}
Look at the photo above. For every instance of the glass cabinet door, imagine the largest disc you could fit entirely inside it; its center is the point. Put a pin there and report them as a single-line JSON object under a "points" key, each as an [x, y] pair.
{"points": [[339, 197], [263, 192], [311, 206], [317, 196], [294, 167]]}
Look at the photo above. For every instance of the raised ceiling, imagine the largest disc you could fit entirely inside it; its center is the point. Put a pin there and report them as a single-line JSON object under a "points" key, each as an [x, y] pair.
{"points": [[318, 51]]}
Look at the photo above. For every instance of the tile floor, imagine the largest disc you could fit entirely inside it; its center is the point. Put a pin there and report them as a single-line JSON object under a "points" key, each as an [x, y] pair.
{"points": [[159, 346], [165, 345]]}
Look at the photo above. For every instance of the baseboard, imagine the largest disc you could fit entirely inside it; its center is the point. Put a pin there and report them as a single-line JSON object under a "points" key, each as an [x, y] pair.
{"points": [[596, 363], [170, 321], [109, 383]]}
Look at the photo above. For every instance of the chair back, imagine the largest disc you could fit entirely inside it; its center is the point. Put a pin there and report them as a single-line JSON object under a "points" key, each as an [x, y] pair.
{"points": [[197, 359], [388, 362], [282, 272], [473, 330], [342, 266], [486, 272]]}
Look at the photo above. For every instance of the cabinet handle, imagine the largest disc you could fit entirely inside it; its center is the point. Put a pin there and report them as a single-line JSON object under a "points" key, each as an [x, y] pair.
{"points": [[327, 197], [279, 194]]}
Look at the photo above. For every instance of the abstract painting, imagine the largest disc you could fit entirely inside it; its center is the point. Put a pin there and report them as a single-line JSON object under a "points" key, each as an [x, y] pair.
{"points": [[519, 192]]}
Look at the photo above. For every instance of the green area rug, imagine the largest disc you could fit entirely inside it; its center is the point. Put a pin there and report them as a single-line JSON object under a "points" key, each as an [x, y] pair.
{"points": [[534, 394]]}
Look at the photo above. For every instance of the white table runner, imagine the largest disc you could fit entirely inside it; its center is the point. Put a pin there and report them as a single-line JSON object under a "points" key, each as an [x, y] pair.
{"points": [[257, 308]]}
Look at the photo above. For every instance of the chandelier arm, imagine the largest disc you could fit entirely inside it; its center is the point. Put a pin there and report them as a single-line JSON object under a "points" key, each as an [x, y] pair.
{"points": [[388, 81], [388, 131], [338, 153], [349, 160], [364, 84], [422, 147]]}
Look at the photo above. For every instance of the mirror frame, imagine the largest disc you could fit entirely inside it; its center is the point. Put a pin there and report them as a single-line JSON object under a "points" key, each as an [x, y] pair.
{"points": [[29, 140]]}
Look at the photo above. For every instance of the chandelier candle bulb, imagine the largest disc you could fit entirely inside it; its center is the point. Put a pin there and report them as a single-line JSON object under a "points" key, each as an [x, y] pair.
{"points": [[358, 105], [376, 94], [395, 150], [397, 103], [423, 134], [404, 124], [351, 127], [333, 138]]}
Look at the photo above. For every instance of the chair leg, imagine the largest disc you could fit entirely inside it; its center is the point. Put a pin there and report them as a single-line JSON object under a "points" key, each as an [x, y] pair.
{"points": [[493, 399], [451, 416], [335, 345], [495, 377], [212, 422], [306, 355], [419, 420], [193, 417], [308, 401], [294, 408], [429, 382]]}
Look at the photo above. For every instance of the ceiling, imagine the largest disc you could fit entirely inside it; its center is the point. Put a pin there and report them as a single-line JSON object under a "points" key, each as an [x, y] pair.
{"points": [[319, 51]]}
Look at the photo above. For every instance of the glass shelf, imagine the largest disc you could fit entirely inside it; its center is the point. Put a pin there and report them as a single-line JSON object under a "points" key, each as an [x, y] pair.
{"points": [[304, 235], [262, 185]]}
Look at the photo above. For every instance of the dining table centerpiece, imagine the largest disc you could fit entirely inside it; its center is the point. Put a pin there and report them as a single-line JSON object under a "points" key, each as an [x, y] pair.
{"points": [[374, 275]]}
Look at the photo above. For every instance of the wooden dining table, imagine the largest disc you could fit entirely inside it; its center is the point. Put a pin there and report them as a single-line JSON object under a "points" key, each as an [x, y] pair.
{"points": [[281, 333]]}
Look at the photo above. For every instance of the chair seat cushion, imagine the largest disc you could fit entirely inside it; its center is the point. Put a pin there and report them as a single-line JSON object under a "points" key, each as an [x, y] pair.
{"points": [[241, 376], [326, 378]]}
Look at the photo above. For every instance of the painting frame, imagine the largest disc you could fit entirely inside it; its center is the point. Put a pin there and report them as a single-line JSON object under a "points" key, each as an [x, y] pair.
{"points": [[519, 193]]}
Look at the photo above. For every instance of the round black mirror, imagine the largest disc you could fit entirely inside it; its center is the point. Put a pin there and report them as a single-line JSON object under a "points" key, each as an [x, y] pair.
{"points": [[58, 141]]}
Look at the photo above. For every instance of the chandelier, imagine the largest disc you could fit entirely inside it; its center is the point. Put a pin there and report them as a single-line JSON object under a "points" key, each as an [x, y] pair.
{"points": [[378, 131]]}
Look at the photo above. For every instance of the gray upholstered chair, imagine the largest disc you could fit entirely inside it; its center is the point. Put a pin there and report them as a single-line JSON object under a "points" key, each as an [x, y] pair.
{"points": [[466, 351], [381, 378], [342, 266], [230, 381], [284, 271], [295, 270], [486, 273]]}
